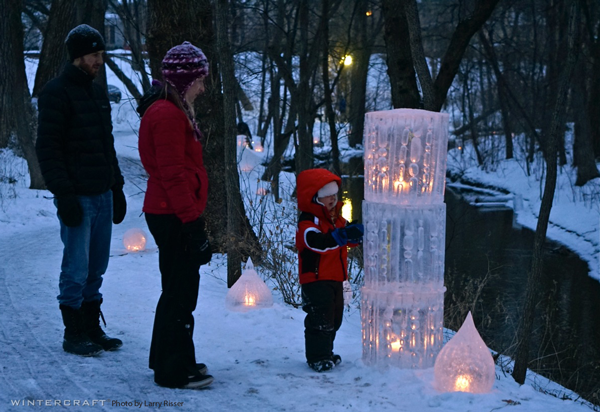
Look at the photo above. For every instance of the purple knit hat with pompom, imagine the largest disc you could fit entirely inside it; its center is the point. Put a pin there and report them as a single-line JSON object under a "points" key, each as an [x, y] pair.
{"points": [[182, 65]]}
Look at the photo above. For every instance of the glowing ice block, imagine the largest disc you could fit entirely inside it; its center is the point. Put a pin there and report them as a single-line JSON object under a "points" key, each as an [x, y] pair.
{"points": [[402, 329], [405, 232], [404, 247], [405, 156]]}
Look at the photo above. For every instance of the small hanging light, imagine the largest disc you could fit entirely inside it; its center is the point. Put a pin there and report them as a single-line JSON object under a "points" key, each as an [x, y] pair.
{"points": [[347, 60]]}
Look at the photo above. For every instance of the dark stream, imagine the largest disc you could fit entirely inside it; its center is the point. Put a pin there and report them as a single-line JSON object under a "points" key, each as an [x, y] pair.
{"points": [[488, 259], [485, 248]]}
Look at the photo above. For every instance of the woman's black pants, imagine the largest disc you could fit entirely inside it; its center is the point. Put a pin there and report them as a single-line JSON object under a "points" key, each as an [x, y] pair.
{"points": [[172, 353]]}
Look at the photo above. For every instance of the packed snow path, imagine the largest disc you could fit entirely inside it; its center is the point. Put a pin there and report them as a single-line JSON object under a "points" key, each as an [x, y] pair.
{"points": [[257, 358]]}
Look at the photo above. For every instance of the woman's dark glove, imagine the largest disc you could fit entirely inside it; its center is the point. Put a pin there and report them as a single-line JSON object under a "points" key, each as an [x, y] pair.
{"points": [[196, 241], [119, 206], [69, 210]]}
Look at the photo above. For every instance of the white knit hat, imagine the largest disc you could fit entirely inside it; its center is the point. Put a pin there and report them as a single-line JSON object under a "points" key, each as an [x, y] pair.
{"points": [[329, 189]]}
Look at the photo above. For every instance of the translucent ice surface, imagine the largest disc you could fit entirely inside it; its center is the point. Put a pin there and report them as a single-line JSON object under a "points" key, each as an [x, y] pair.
{"points": [[404, 246], [465, 364], [134, 240], [248, 292], [402, 308], [402, 329], [405, 156]]}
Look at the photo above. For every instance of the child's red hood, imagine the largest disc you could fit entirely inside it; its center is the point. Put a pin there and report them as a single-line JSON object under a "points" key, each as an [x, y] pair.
{"points": [[308, 184]]}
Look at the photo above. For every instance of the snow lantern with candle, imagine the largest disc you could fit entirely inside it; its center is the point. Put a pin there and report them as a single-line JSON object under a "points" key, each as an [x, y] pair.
{"points": [[134, 240], [465, 364], [248, 292]]}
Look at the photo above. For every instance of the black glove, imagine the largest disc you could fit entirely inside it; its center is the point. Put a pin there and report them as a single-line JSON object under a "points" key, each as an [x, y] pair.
{"points": [[355, 232], [196, 241], [69, 210], [119, 206]]}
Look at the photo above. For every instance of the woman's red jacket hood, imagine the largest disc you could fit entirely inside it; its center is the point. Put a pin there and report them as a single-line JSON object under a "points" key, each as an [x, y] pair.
{"points": [[308, 184]]}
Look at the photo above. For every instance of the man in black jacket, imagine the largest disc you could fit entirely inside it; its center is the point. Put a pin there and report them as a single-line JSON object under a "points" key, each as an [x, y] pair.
{"points": [[75, 149]]}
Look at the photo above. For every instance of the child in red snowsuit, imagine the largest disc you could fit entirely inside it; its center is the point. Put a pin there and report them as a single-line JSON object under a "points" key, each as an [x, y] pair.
{"points": [[321, 240]]}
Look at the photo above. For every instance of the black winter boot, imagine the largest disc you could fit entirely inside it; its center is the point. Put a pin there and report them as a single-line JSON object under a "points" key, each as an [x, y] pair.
{"points": [[75, 340], [91, 320], [337, 359], [322, 365]]}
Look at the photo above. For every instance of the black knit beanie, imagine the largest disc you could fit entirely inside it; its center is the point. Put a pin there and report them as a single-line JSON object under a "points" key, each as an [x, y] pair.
{"points": [[83, 40]]}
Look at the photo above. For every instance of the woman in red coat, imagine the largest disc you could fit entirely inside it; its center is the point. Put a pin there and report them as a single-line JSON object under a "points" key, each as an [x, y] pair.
{"points": [[322, 239], [171, 152]]}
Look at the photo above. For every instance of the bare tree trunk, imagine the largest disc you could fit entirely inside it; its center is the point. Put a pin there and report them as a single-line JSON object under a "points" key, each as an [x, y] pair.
{"points": [[503, 92], [171, 23], [263, 120], [556, 18], [359, 71], [535, 277], [53, 55], [583, 148], [64, 15], [469, 112], [92, 12], [416, 47], [131, 16], [17, 116], [329, 112], [232, 182], [281, 138], [280, 144], [593, 108], [434, 94], [403, 80], [456, 49], [267, 69], [131, 87], [304, 152], [300, 92], [38, 13]]}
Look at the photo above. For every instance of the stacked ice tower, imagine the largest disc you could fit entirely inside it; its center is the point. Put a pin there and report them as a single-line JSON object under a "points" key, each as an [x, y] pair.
{"points": [[404, 214]]}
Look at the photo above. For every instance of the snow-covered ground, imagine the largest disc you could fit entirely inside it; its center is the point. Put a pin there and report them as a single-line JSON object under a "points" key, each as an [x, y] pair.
{"points": [[257, 357]]}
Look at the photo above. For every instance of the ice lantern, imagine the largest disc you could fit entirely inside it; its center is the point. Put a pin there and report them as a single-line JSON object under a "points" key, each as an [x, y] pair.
{"points": [[405, 229], [134, 240], [248, 292], [465, 364]]}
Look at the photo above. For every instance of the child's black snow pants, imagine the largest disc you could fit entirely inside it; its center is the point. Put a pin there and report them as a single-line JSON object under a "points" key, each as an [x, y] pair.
{"points": [[323, 302]]}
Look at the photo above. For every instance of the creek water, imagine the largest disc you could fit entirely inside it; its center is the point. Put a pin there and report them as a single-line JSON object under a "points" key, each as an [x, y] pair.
{"points": [[488, 258]]}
